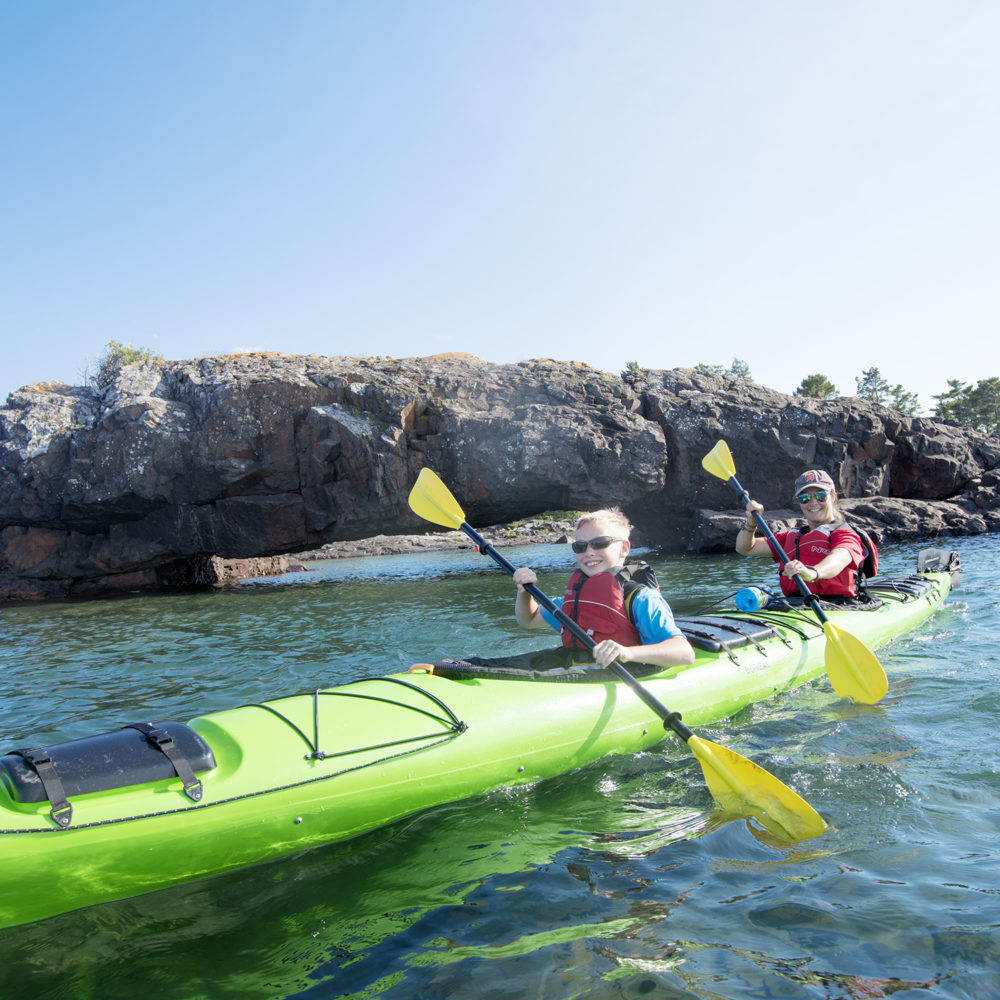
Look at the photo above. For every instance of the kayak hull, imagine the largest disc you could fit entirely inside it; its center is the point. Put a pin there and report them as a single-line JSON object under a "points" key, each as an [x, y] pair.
{"points": [[319, 768]]}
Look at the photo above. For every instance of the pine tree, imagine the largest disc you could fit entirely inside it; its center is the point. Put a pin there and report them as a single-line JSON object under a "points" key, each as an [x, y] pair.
{"points": [[873, 387], [904, 401], [975, 406], [738, 369], [817, 387]]}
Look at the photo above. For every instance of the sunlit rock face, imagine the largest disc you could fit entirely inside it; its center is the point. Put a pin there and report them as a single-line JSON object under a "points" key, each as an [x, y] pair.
{"points": [[178, 471], [903, 477]]}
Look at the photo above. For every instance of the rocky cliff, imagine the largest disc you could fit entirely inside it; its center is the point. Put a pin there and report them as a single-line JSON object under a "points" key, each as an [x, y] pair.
{"points": [[180, 466]]}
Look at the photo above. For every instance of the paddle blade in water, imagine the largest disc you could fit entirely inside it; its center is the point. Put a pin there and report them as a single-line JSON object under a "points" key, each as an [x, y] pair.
{"points": [[719, 462], [742, 787], [854, 670], [431, 500]]}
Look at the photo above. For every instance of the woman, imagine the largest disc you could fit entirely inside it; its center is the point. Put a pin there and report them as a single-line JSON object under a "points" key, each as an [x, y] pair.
{"points": [[628, 621], [826, 553]]}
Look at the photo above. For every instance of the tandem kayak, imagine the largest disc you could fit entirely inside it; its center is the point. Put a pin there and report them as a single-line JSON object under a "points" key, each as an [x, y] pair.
{"points": [[150, 805]]}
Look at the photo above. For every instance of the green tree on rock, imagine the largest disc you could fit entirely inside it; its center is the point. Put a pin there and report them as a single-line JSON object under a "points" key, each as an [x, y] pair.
{"points": [[950, 402], [904, 401], [875, 389], [738, 369], [816, 387], [987, 401], [977, 407]]}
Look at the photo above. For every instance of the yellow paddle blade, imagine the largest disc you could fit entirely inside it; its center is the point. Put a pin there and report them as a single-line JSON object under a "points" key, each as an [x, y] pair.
{"points": [[742, 787], [431, 500], [719, 462], [853, 668]]}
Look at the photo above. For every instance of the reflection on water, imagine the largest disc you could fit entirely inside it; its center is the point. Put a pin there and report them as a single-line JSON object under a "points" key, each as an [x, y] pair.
{"points": [[618, 880]]}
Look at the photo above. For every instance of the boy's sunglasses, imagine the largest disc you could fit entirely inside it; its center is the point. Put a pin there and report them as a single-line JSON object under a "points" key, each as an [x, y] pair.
{"points": [[601, 542], [819, 495]]}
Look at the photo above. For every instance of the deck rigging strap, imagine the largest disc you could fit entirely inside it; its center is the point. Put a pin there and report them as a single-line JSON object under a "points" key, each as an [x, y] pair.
{"points": [[164, 742], [42, 764], [135, 754], [453, 725]]}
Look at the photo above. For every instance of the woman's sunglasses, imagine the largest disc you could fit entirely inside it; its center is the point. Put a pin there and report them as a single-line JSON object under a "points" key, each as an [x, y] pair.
{"points": [[601, 542], [819, 495]]}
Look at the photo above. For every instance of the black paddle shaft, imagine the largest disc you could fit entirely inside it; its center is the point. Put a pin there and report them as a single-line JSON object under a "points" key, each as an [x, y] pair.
{"points": [[671, 720], [779, 551]]}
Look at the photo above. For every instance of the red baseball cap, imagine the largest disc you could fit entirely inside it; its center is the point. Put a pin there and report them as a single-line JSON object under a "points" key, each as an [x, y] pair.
{"points": [[814, 477]]}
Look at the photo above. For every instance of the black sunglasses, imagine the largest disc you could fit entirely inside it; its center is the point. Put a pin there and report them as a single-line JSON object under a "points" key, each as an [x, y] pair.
{"points": [[820, 495], [601, 542]]}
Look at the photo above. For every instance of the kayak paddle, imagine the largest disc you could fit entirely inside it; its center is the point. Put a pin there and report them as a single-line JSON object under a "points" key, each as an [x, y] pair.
{"points": [[854, 670], [737, 784]]}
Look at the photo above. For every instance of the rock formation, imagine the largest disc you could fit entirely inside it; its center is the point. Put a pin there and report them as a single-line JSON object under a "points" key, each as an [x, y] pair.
{"points": [[178, 468]]}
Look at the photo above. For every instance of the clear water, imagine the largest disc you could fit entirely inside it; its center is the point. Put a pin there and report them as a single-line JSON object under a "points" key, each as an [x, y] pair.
{"points": [[614, 881]]}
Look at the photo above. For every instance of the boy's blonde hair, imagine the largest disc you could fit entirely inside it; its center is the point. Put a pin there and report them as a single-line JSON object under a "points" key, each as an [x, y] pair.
{"points": [[610, 516]]}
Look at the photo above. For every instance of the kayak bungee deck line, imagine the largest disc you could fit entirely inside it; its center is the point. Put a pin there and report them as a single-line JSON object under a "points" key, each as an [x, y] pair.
{"points": [[148, 807]]}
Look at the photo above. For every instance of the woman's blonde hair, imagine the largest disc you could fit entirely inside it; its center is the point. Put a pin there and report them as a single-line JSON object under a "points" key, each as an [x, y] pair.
{"points": [[611, 516]]}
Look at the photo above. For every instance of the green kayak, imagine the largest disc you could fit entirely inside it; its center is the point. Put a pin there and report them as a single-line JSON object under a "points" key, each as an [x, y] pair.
{"points": [[154, 804]]}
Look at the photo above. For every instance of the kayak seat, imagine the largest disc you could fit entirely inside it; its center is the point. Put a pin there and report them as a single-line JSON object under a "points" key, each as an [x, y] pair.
{"points": [[136, 754], [716, 633]]}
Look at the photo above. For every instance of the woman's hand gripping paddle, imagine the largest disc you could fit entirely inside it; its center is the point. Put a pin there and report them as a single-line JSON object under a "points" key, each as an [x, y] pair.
{"points": [[737, 784], [854, 670]]}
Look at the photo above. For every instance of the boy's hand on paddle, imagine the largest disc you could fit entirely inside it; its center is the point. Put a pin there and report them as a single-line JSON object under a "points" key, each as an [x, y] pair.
{"points": [[608, 651], [523, 577]]}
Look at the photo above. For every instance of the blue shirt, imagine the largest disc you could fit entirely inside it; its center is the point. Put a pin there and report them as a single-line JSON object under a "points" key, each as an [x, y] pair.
{"points": [[654, 620]]}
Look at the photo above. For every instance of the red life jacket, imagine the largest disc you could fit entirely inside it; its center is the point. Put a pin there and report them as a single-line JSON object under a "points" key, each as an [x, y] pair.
{"points": [[869, 565], [599, 604], [813, 546]]}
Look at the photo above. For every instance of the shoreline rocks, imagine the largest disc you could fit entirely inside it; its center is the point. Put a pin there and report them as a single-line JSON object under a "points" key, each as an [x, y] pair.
{"points": [[499, 535], [266, 456]]}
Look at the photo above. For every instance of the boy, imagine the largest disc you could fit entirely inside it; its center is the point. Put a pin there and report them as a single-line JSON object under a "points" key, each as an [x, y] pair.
{"points": [[630, 622]]}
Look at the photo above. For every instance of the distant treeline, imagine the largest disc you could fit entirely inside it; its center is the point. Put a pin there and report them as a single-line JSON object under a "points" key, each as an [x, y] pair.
{"points": [[976, 406]]}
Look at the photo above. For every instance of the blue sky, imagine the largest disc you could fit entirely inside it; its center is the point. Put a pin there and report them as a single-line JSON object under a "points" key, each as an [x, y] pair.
{"points": [[810, 187]]}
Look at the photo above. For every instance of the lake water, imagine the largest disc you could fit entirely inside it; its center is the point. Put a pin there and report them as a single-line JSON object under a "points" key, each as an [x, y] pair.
{"points": [[616, 881]]}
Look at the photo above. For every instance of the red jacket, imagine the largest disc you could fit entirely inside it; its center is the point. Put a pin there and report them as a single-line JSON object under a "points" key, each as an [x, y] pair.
{"points": [[813, 547], [597, 604]]}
